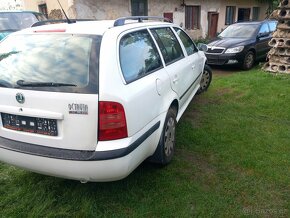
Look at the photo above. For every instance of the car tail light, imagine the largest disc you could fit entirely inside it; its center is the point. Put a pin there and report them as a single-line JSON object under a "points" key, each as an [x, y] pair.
{"points": [[112, 121]]}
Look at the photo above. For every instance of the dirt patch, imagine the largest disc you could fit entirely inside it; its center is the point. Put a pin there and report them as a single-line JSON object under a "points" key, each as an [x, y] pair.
{"points": [[193, 113], [201, 100], [194, 116], [202, 165], [224, 70], [221, 92], [198, 168]]}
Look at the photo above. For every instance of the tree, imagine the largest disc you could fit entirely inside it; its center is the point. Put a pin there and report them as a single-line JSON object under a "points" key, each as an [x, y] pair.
{"points": [[272, 5]]}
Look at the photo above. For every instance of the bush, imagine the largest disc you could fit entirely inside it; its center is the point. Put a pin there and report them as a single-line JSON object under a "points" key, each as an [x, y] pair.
{"points": [[202, 40]]}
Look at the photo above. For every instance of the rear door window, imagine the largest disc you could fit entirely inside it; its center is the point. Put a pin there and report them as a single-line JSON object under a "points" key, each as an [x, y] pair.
{"points": [[168, 44], [138, 55], [186, 40]]}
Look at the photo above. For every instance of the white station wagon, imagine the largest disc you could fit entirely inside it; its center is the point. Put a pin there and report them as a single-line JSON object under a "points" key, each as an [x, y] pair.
{"points": [[91, 100]]}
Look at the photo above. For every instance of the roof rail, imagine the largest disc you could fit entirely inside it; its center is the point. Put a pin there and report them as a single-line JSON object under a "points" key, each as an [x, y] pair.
{"points": [[46, 22], [121, 21]]}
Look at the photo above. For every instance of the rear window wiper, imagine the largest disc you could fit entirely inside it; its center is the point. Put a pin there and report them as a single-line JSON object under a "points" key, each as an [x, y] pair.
{"points": [[9, 30], [23, 83], [4, 83]]}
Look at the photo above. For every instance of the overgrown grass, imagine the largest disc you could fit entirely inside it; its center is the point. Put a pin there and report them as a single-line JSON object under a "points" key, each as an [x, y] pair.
{"points": [[232, 160]]}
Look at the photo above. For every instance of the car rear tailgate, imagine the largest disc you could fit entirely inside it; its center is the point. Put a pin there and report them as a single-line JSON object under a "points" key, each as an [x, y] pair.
{"points": [[58, 120]]}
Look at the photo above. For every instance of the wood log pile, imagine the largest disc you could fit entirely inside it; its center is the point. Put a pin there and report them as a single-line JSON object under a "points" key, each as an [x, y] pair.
{"points": [[279, 55]]}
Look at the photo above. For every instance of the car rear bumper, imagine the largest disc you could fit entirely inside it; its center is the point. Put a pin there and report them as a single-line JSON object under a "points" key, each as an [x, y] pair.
{"points": [[107, 170], [79, 165]]}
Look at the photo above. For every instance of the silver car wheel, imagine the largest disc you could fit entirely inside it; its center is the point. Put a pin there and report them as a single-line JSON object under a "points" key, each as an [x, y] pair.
{"points": [[205, 80], [169, 137]]}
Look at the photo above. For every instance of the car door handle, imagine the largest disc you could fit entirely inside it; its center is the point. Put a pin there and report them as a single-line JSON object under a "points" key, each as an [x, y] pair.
{"points": [[175, 79], [193, 67], [159, 86]]}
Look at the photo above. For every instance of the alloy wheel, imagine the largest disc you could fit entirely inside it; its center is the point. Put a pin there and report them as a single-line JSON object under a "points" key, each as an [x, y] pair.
{"points": [[169, 137]]}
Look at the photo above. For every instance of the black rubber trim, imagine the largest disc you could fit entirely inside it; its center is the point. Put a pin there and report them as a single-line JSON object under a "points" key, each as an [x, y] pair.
{"points": [[75, 155], [190, 86]]}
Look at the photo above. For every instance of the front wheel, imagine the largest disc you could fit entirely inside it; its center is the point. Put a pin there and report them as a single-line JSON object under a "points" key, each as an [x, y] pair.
{"points": [[165, 149], [249, 61], [205, 79]]}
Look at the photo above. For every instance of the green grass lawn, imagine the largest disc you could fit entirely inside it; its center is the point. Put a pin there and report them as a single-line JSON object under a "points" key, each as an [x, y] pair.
{"points": [[232, 160]]}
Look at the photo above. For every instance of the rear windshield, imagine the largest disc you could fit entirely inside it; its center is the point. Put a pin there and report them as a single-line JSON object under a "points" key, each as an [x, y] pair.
{"points": [[59, 62], [240, 31], [10, 21]]}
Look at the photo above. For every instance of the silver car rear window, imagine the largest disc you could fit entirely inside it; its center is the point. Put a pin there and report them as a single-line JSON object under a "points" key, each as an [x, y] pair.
{"points": [[51, 58]]}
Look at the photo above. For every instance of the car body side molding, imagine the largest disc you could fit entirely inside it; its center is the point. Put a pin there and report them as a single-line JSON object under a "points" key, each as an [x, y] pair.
{"points": [[190, 86], [76, 155]]}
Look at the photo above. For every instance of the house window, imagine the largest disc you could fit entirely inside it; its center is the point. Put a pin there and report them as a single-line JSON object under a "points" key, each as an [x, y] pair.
{"points": [[43, 9], [256, 13], [192, 17], [139, 7], [168, 15], [230, 14], [244, 14]]}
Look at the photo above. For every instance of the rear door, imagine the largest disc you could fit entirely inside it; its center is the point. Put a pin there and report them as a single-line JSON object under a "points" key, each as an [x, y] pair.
{"points": [[182, 69], [147, 82], [49, 90], [262, 40], [193, 55]]}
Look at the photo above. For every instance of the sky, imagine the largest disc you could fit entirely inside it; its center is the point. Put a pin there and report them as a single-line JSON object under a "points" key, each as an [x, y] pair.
{"points": [[10, 4]]}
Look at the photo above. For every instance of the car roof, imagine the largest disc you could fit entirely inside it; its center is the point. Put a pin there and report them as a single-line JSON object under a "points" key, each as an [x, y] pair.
{"points": [[91, 27], [255, 22], [34, 12]]}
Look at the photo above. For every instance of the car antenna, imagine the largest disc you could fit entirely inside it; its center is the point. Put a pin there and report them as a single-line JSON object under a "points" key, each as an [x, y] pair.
{"points": [[66, 17]]}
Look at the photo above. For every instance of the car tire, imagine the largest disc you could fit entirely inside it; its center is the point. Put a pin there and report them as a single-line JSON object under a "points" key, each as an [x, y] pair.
{"points": [[165, 149], [205, 79], [248, 61]]}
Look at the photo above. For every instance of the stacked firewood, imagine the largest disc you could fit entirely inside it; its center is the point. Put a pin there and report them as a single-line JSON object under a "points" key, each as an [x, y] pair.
{"points": [[279, 55]]}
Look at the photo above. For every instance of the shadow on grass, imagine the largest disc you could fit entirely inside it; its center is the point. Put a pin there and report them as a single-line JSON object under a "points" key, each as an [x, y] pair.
{"points": [[146, 176], [35, 194]]}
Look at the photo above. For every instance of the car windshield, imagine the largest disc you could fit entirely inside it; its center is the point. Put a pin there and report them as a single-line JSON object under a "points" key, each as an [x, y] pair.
{"points": [[35, 60], [10, 21], [240, 31]]}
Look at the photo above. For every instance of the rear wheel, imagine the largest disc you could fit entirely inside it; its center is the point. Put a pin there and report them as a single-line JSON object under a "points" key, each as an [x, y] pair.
{"points": [[205, 79], [165, 149], [249, 61]]}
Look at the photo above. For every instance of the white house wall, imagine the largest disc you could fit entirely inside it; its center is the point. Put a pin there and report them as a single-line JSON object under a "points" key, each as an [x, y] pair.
{"points": [[112, 9], [51, 4], [219, 6], [101, 9]]}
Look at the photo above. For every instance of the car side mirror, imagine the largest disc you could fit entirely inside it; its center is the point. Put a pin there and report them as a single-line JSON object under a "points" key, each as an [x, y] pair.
{"points": [[202, 47]]}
